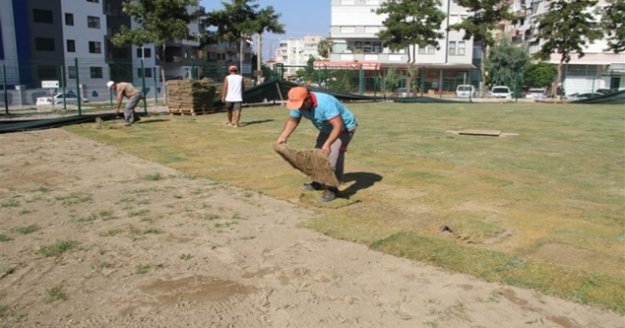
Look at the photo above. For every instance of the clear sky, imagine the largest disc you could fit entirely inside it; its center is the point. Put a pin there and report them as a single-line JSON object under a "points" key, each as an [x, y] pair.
{"points": [[299, 17]]}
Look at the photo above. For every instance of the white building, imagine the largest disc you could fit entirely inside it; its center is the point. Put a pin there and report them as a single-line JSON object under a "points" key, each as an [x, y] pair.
{"points": [[598, 69], [294, 53], [354, 26]]}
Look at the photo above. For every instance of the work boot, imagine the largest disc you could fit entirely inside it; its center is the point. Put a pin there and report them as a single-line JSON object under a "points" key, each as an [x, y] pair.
{"points": [[312, 186], [329, 195]]}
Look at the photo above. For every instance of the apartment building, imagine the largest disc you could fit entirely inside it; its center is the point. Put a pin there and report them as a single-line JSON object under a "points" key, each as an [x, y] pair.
{"points": [[354, 26], [57, 40], [218, 56], [294, 53], [598, 69]]}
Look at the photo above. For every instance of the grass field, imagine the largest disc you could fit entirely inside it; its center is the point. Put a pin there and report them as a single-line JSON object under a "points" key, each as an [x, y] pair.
{"points": [[540, 206]]}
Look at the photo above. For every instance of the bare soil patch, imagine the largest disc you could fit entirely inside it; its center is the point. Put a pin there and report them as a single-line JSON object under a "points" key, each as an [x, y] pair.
{"points": [[149, 246]]}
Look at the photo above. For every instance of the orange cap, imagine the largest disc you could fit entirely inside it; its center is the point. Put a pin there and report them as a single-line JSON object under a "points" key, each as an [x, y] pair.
{"points": [[297, 95]]}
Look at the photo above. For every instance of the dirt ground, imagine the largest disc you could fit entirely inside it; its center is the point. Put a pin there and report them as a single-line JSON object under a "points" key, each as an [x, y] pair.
{"points": [[94, 237]]}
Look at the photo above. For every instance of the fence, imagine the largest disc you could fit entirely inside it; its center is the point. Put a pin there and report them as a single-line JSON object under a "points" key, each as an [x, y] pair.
{"points": [[385, 82], [22, 83]]}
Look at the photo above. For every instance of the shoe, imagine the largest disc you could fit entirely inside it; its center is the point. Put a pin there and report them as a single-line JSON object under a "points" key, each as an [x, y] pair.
{"points": [[312, 186], [328, 196]]}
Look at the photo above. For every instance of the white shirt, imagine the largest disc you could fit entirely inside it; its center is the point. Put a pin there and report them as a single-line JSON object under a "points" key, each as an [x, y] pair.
{"points": [[235, 90]]}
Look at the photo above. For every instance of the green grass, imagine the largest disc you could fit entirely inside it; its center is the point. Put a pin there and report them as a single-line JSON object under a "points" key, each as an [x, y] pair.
{"points": [[58, 248], [55, 294], [542, 202], [25, 230]]}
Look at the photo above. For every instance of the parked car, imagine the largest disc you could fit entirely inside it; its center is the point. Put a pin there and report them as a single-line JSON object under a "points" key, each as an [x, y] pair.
{"points": [[57, 99], [465, 90], [500, 91], [404, 93], [536, 93]]}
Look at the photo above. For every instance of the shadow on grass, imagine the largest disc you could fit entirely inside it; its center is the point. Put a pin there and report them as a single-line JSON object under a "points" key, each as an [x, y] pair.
{"points": [[142, 122], [256, 122], [363, 180]]}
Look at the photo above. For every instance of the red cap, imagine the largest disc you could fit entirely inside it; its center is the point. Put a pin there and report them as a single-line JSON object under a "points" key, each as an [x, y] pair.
{"points": [[297, 95], [232, 68]]}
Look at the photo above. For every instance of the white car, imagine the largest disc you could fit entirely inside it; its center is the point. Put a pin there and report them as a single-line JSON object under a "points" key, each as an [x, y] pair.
{"points": [[536, 93], [501, 91], [465, 90], [57, 99]]}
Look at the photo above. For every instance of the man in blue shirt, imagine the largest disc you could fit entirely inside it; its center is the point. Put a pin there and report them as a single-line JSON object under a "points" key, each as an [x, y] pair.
{"points": [[336, 125]]}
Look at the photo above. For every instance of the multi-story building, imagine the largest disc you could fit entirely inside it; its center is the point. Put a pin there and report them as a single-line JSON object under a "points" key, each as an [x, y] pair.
{"points": [[294, 53], [353, 33], [70, 40], [597, 69], [220, 55]]}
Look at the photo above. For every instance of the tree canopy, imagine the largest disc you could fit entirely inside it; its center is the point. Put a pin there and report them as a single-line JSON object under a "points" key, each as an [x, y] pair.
{"points": [[410, 22], [566, 29], [240, 19], [613, 21], [505, 62], [539, 74], [160, 20], [484, 16]]}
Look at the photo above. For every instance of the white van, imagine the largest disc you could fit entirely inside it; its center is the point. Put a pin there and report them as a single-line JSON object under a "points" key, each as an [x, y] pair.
{"points": [[465, 90]]}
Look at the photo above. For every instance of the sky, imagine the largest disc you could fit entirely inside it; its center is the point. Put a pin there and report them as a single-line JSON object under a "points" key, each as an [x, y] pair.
{"points": [[299, 17]]}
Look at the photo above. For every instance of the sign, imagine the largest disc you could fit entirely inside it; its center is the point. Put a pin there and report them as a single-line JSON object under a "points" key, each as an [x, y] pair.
{"points": [[50, 84], [346, 65]]}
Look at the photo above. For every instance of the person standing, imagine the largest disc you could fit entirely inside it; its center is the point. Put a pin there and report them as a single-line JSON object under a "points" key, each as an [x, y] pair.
{"points": [[232, 95], [124, 89], [336, 125]]}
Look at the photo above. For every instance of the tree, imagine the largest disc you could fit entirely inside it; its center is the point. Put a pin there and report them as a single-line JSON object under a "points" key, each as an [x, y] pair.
{"points": [[324, 48], [613, 22], [504, 63], [308, 73], [566, 29], [161, 21], [540, 75], [409, 23], [484, 17], [239, 20]]}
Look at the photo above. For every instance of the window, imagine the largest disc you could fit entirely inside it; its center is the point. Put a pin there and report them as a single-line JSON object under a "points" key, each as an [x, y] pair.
{"points": [[93, 22], [69, 19], [94, 1], [71, 46], [95, 47], [427, 50], [461, 48], [148, 72], [452, 48], [71, 72], [44, 44], [46, 72], [146, 53], [96, 72], [42, 16]]}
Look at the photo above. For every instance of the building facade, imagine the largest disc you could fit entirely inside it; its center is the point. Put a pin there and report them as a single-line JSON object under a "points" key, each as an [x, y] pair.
{"points": [[293, 54], [353, 33], [70, 40], [597, 69]]}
